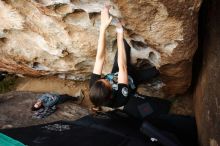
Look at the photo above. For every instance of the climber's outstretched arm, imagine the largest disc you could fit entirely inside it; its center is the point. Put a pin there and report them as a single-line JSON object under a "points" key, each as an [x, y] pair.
{"points": [[100, 56], [122, 60]]}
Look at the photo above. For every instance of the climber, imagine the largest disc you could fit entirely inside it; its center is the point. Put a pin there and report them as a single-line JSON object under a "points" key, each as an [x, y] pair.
{"points": [[113, 89]]}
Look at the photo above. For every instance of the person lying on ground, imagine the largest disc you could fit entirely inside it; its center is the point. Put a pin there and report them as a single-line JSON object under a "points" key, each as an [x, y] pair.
{"points": [[46, 103], [113, 89]]}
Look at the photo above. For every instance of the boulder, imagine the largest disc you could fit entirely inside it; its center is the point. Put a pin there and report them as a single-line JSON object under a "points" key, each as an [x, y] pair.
{"points": [[206, 92], [59, 37]]}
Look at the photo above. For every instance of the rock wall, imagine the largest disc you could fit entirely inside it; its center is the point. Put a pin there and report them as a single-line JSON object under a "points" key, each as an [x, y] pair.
{"points": [[59, 37], [207, 93]]}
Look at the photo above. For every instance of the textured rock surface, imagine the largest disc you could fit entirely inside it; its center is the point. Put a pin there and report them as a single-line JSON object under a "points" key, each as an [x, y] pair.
{"points": [[59, 37], [207, 93]]}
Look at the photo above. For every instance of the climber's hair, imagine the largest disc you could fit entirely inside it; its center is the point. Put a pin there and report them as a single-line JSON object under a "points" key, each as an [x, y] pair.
{"points": [[33, 108], [100, 93]]}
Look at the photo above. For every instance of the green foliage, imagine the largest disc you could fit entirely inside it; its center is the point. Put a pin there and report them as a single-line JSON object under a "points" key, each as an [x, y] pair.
{"points": [[8, 83]]}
